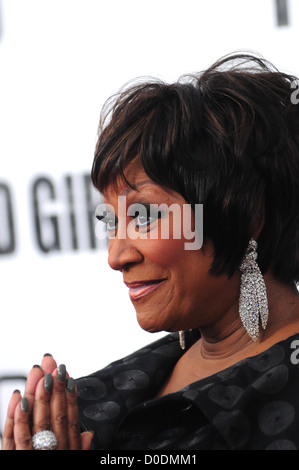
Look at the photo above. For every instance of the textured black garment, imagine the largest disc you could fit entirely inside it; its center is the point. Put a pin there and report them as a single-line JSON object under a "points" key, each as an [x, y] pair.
{"points": [[251, 405]]}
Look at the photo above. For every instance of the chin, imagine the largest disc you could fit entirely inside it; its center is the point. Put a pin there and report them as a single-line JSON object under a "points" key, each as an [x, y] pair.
{"points": [[149, 327], [154, 323], [149, 324]]}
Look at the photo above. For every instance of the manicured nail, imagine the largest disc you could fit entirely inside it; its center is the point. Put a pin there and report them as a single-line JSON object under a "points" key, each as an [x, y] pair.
{"points": [[70, 385], [16, 391], [24, 405], [48, 382], [48, 354], [61, 372], [36, 366]]}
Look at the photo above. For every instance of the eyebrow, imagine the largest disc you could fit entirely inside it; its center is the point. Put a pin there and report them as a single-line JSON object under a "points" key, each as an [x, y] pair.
{"points": [[134, 187]]}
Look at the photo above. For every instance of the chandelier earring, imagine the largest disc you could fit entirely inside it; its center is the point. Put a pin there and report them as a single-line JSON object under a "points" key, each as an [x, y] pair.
{"points": [[253, 303]]}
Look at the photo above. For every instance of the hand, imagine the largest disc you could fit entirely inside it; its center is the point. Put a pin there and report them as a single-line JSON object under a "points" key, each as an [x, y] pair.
{"points": [[49, 403]]}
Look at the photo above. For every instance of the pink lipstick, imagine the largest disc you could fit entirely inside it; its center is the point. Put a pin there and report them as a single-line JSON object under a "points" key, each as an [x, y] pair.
{"points": [[138, 290]]}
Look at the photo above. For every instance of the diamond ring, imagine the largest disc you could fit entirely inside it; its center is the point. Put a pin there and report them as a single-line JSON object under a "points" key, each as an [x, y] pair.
{"points": [[44, 440]]}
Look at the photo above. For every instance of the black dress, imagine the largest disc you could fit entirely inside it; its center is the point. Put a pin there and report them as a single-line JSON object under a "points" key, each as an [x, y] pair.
{"points": [[251, 405]]}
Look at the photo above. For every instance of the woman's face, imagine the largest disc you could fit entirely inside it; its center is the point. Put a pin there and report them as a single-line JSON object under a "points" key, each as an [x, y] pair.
{"points": [[169, 286]]}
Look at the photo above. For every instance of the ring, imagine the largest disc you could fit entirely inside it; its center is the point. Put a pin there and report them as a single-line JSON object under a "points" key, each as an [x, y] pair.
{"points": [[44, 440]]}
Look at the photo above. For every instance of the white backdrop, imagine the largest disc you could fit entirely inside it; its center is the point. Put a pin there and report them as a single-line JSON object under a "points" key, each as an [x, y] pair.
{"points": [[59, 61]]}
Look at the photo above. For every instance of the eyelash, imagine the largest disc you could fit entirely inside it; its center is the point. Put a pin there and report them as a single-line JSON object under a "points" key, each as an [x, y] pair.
{"points": [[110, 219], [149, 216]]}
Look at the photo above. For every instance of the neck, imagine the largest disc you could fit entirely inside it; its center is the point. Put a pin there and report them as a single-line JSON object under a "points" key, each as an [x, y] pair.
{"points": [[228, 339], [223, 346], [227, 342]]}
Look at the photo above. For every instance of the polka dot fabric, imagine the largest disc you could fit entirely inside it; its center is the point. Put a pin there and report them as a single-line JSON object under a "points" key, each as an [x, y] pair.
{"points": [[251, 405]]}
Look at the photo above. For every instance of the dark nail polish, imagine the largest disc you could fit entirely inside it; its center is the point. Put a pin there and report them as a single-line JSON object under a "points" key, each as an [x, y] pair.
{"points": [[70, 385], [16, 391], [48, 354], [61, 372], [36, 366], [48, 382], [24, 405]]}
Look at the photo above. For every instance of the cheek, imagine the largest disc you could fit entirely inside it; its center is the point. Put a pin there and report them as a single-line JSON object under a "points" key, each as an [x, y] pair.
{"points": [[164, 253], [189, 270]]}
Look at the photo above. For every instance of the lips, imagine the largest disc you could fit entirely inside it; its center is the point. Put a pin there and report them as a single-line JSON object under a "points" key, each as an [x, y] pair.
{"points": [[140, 289]]}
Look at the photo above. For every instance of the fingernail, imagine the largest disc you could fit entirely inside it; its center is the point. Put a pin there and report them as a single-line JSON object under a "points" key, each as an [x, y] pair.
{"points": [[70, 385], [48, 382], [61, 372], [36, 366], [48, 354], [16, 391], [24, 404]]}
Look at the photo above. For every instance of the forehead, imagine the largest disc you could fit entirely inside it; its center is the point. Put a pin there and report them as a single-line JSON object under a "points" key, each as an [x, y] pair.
{"points": [[135, 179], [139, 182]]}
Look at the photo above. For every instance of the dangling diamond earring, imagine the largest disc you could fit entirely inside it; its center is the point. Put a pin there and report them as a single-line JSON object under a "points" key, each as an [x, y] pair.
{"points": [[253, 304]]}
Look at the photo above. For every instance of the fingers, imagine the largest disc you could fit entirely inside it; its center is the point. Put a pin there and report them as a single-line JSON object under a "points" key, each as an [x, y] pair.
{"points": [[22, 427], [59, 407], [73, 415], [86, 440], [41, 409], [8, 442], [33, 378], [18, 421], [48, 364], [65, 414], [55, 408], [49, 403]]}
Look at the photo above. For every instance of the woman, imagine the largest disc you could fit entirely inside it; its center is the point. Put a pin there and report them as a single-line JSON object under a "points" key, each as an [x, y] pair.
{"points": [[226, 139]]}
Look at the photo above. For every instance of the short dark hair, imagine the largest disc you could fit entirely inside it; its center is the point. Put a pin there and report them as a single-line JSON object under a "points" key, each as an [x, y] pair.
{"points": [[228, 138]]}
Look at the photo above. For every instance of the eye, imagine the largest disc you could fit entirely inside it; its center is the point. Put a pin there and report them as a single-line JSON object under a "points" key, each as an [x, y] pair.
{"points": [[109, 220], [111, 223], [144, 219]]}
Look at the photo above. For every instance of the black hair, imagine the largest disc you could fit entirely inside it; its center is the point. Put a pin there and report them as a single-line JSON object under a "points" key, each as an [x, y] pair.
{"points": [[228, 138]]}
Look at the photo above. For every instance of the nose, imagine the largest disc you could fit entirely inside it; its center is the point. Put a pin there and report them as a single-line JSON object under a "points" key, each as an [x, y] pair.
{"points": [[122, 253]]}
